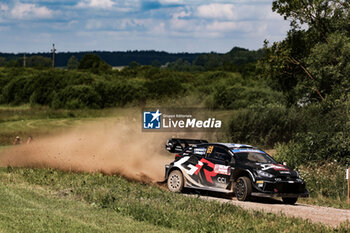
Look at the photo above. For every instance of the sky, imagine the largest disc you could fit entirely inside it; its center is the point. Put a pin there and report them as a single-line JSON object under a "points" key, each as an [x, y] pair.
{"points": [[121, 25]]}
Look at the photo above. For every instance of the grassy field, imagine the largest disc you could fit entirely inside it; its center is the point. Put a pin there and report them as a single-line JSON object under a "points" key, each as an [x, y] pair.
{"points": [[50, 200], [27, 207]]}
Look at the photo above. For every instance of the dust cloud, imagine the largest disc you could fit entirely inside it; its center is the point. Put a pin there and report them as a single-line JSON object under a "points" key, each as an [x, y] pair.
{"points": [[110, 147]]}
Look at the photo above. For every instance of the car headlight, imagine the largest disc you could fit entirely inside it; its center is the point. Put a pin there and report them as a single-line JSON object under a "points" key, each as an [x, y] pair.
{"points": [[264, 174]]}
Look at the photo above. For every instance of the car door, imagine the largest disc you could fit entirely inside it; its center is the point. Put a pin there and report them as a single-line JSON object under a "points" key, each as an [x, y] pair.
{"points": [[190, 165], [218, 166]]}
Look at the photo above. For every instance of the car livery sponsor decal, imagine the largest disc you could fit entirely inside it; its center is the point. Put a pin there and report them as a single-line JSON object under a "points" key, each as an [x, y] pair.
{"points": [[199, 151], [222, 169], [205, 164], [192, 169], [210, 149], [221, 180], [189, 171], [276, 167], [210, 170], [248, 150]]}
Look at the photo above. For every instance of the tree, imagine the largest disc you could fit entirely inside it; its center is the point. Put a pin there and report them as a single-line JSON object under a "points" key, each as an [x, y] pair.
{"points": [[13, 63], [321, 16], [37, 61], [329, 64], [72, 63], [156, 63], [298, 65], [2, 61], [134, 65], [94, 63]]}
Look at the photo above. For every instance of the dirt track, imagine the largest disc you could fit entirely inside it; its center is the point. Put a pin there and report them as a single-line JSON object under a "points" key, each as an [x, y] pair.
{"points": [[316, 214]]}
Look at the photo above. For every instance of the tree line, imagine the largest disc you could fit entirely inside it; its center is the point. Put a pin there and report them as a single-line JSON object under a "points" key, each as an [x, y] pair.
{"points": [[112, 58], [234, 60]]}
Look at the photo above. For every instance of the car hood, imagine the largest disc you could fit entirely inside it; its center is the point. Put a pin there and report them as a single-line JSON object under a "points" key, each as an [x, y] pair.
{"points": [[278, 170]]}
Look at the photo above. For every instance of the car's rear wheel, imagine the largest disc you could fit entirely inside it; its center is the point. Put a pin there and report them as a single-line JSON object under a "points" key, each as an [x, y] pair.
{"points": [[243, 188], [175, 181], [289, 200]]}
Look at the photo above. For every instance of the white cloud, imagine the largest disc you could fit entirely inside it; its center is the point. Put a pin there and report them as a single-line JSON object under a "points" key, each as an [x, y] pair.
{"points": [[93, 24], [4, 28], [182, 25], [159, 29], [132, 24], [272, 15], [4, 7], [22, 10], [237, 12], [104, 4], [178, 23], [181, 14], [217, 11], [222, 26]]}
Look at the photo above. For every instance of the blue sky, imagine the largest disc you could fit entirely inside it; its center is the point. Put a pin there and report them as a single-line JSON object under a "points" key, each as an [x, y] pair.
{"points": [[120, 25]]}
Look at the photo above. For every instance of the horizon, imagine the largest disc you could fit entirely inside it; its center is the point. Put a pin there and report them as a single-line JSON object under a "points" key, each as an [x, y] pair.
{"points": [[124, 51], [174, 26]]}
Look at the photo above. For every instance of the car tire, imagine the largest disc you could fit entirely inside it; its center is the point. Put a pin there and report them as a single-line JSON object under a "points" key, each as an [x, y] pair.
{"points": [[243, 188], [289, 200], [175, 181]]}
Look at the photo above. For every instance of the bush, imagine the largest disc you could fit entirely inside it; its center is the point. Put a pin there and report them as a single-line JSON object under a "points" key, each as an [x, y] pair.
{"points": [[94, 63], [264, 126], [79, 96], [164, 87], [231, 91], [326, 136], [315, 146], [239, 96], [17, 91], [325, 179]]}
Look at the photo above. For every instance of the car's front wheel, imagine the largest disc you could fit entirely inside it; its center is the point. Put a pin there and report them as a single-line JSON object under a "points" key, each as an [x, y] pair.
{"points": [[289, 200], [243, 188], [175, 181]]}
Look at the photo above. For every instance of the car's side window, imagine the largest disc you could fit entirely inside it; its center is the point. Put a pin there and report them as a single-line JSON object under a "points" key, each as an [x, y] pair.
{"points": [[219, 154]]}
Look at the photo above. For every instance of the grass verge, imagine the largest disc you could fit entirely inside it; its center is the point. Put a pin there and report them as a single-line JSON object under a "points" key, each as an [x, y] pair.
{"points": [[326, 183], [28, 208], [138, 203]]}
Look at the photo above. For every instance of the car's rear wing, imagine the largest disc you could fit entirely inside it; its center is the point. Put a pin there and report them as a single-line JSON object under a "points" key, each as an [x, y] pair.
{"points": [[177, 145]]}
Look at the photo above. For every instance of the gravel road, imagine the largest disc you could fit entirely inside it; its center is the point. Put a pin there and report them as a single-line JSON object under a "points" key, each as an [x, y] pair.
{"points": [[316, 214]]}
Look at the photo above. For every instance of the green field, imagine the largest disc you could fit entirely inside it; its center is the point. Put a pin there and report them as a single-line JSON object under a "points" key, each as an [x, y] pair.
{"points": [[28, 207], [49, 200]]}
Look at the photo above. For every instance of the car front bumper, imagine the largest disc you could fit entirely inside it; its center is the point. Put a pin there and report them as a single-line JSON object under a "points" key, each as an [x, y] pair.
{"points": [[291, 188]]}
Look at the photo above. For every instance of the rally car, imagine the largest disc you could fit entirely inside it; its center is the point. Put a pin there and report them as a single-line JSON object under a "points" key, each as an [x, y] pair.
{"points": [[237, 169]]}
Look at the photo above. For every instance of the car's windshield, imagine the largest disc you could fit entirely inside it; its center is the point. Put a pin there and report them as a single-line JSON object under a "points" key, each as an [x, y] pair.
{"points": [[255, 157]]}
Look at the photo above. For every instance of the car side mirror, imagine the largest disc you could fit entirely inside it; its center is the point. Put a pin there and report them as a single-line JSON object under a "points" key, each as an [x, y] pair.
{"points": [[232, 162]]}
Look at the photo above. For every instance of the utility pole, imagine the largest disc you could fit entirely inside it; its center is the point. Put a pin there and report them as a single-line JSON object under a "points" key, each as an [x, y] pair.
{"points": [[53, 50], [24, 60]]}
